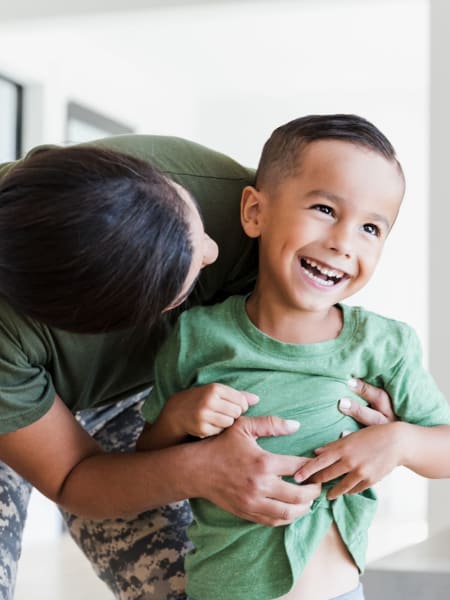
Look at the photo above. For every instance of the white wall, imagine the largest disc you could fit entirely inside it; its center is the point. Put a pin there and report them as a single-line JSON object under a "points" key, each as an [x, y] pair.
{"points": [[439, 291], [225, 75]]}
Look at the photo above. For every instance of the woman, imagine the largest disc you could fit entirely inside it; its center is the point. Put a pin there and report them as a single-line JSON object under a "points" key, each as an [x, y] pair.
{"points": [[98, 243]]}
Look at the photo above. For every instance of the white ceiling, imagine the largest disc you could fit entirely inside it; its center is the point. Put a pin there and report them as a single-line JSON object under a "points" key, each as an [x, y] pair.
{"points": [[30, 9]]}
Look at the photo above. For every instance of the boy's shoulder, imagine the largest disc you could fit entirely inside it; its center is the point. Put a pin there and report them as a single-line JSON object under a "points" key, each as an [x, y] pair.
{"points": [[377, 325]]}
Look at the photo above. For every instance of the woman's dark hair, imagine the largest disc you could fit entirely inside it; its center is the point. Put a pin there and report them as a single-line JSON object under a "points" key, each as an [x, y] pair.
{"points": [[281, 155], [91, 240]]}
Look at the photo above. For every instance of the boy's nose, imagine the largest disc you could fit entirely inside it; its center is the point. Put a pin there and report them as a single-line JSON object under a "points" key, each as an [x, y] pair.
{"points": [[340, 241]]}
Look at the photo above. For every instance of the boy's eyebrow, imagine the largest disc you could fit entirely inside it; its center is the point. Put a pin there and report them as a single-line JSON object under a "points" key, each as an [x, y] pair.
{"points": [[340, 200]]}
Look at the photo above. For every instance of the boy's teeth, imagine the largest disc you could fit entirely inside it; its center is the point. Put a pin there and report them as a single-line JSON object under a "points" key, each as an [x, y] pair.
{"points": [[324, 270], [319, 279]]}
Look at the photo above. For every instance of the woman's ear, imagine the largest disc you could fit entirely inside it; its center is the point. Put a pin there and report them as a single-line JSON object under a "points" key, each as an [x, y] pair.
{"points": [[251, 205]]}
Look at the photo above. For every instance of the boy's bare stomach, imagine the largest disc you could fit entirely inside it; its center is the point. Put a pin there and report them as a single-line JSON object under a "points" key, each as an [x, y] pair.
{"points": [[330, 572]]}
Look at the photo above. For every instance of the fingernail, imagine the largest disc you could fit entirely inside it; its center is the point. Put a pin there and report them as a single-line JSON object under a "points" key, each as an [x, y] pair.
{"points": [[292, 425], [352, 383], [344, 404], [254, 397]]}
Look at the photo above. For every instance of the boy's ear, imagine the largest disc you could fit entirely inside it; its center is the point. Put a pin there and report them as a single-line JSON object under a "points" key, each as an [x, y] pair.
{"points": [[251, 205]]}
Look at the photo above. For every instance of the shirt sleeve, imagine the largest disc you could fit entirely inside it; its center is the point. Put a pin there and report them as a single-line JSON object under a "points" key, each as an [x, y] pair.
{"points": [[166, 377], [416, 396], [26, 389]]}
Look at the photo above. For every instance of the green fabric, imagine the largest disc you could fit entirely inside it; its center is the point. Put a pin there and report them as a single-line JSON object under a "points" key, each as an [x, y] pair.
{"points": [[87, 370], [238, 559]]}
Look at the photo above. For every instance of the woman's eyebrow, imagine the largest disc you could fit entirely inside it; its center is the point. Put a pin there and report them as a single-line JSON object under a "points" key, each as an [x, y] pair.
{"points": [[196, 204], [186, 295]]}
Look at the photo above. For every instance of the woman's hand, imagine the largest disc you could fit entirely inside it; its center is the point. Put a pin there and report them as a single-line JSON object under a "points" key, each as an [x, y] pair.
{"points": [[235, 473], [380, 408]]}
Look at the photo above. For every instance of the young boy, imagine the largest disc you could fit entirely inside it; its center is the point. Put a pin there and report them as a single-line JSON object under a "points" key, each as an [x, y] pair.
{"points": [[327, 194]]}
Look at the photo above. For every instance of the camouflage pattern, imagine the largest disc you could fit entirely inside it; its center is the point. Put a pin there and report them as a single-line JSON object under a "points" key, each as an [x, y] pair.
{"points": [[141, 557], [14, 496], [138, 558]]}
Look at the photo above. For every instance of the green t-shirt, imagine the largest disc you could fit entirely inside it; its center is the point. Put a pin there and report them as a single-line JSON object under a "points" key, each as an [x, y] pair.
{"points": [[37, 361], [234, 558]]}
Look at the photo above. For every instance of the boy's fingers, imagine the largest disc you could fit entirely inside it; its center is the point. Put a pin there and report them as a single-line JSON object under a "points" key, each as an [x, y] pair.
{"points": [[242, 399], [314, 465], [251, 398], [220, 420], [377, 398], [351, 484], [363, 414]]}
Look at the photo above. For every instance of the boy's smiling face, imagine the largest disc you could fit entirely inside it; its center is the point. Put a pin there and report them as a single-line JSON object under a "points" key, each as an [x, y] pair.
{"points": [[321, 231]]}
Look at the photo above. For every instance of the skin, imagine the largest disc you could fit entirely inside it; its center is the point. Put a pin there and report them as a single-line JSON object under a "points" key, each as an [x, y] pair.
{"points": [[357, 194], [69, 467], [336, 212], [205, 249]]}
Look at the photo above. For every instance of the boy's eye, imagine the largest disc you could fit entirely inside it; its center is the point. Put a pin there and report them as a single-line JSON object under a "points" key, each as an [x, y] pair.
{"points": [[372, 229], [324, 208]]}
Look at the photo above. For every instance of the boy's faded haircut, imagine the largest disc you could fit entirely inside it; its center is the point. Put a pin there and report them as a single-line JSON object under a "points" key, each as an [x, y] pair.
{"points": [[281, 154]]}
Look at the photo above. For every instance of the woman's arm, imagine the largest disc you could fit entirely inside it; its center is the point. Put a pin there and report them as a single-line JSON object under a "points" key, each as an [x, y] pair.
{"points": [[58, 457]]}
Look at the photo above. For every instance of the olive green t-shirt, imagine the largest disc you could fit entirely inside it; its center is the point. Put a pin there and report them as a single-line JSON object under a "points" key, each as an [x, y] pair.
{"points": [[233, 558], [37, 362]]}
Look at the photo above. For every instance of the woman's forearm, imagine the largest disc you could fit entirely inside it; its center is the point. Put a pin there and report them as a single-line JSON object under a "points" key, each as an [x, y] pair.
{"points": [[67, 465], [230, 470], [111, 485]]}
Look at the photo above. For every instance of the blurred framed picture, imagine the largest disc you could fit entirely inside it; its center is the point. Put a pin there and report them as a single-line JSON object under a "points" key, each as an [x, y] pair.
{"points": [[11, 119], [84, 124]]}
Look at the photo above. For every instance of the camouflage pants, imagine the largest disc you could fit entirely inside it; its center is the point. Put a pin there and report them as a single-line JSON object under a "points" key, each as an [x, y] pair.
{"points": [[138, 558]]}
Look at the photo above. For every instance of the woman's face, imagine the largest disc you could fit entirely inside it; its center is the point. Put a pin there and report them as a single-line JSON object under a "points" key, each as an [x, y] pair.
{"points": [[205, 249]]}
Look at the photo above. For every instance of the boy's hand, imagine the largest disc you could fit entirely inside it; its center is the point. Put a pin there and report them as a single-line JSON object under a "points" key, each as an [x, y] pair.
{"points": [[380, 408], [208, 409], [363, 458]]}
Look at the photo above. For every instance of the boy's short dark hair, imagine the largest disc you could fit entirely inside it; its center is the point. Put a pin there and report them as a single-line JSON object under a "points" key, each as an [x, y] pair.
{"points": [[281, 154], [91, 240]]}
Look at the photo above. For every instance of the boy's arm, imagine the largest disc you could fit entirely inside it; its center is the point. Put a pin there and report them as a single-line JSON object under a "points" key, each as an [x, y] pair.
{"points": [[368, 455], [434, 462], [421, 441], [200, 412]]}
